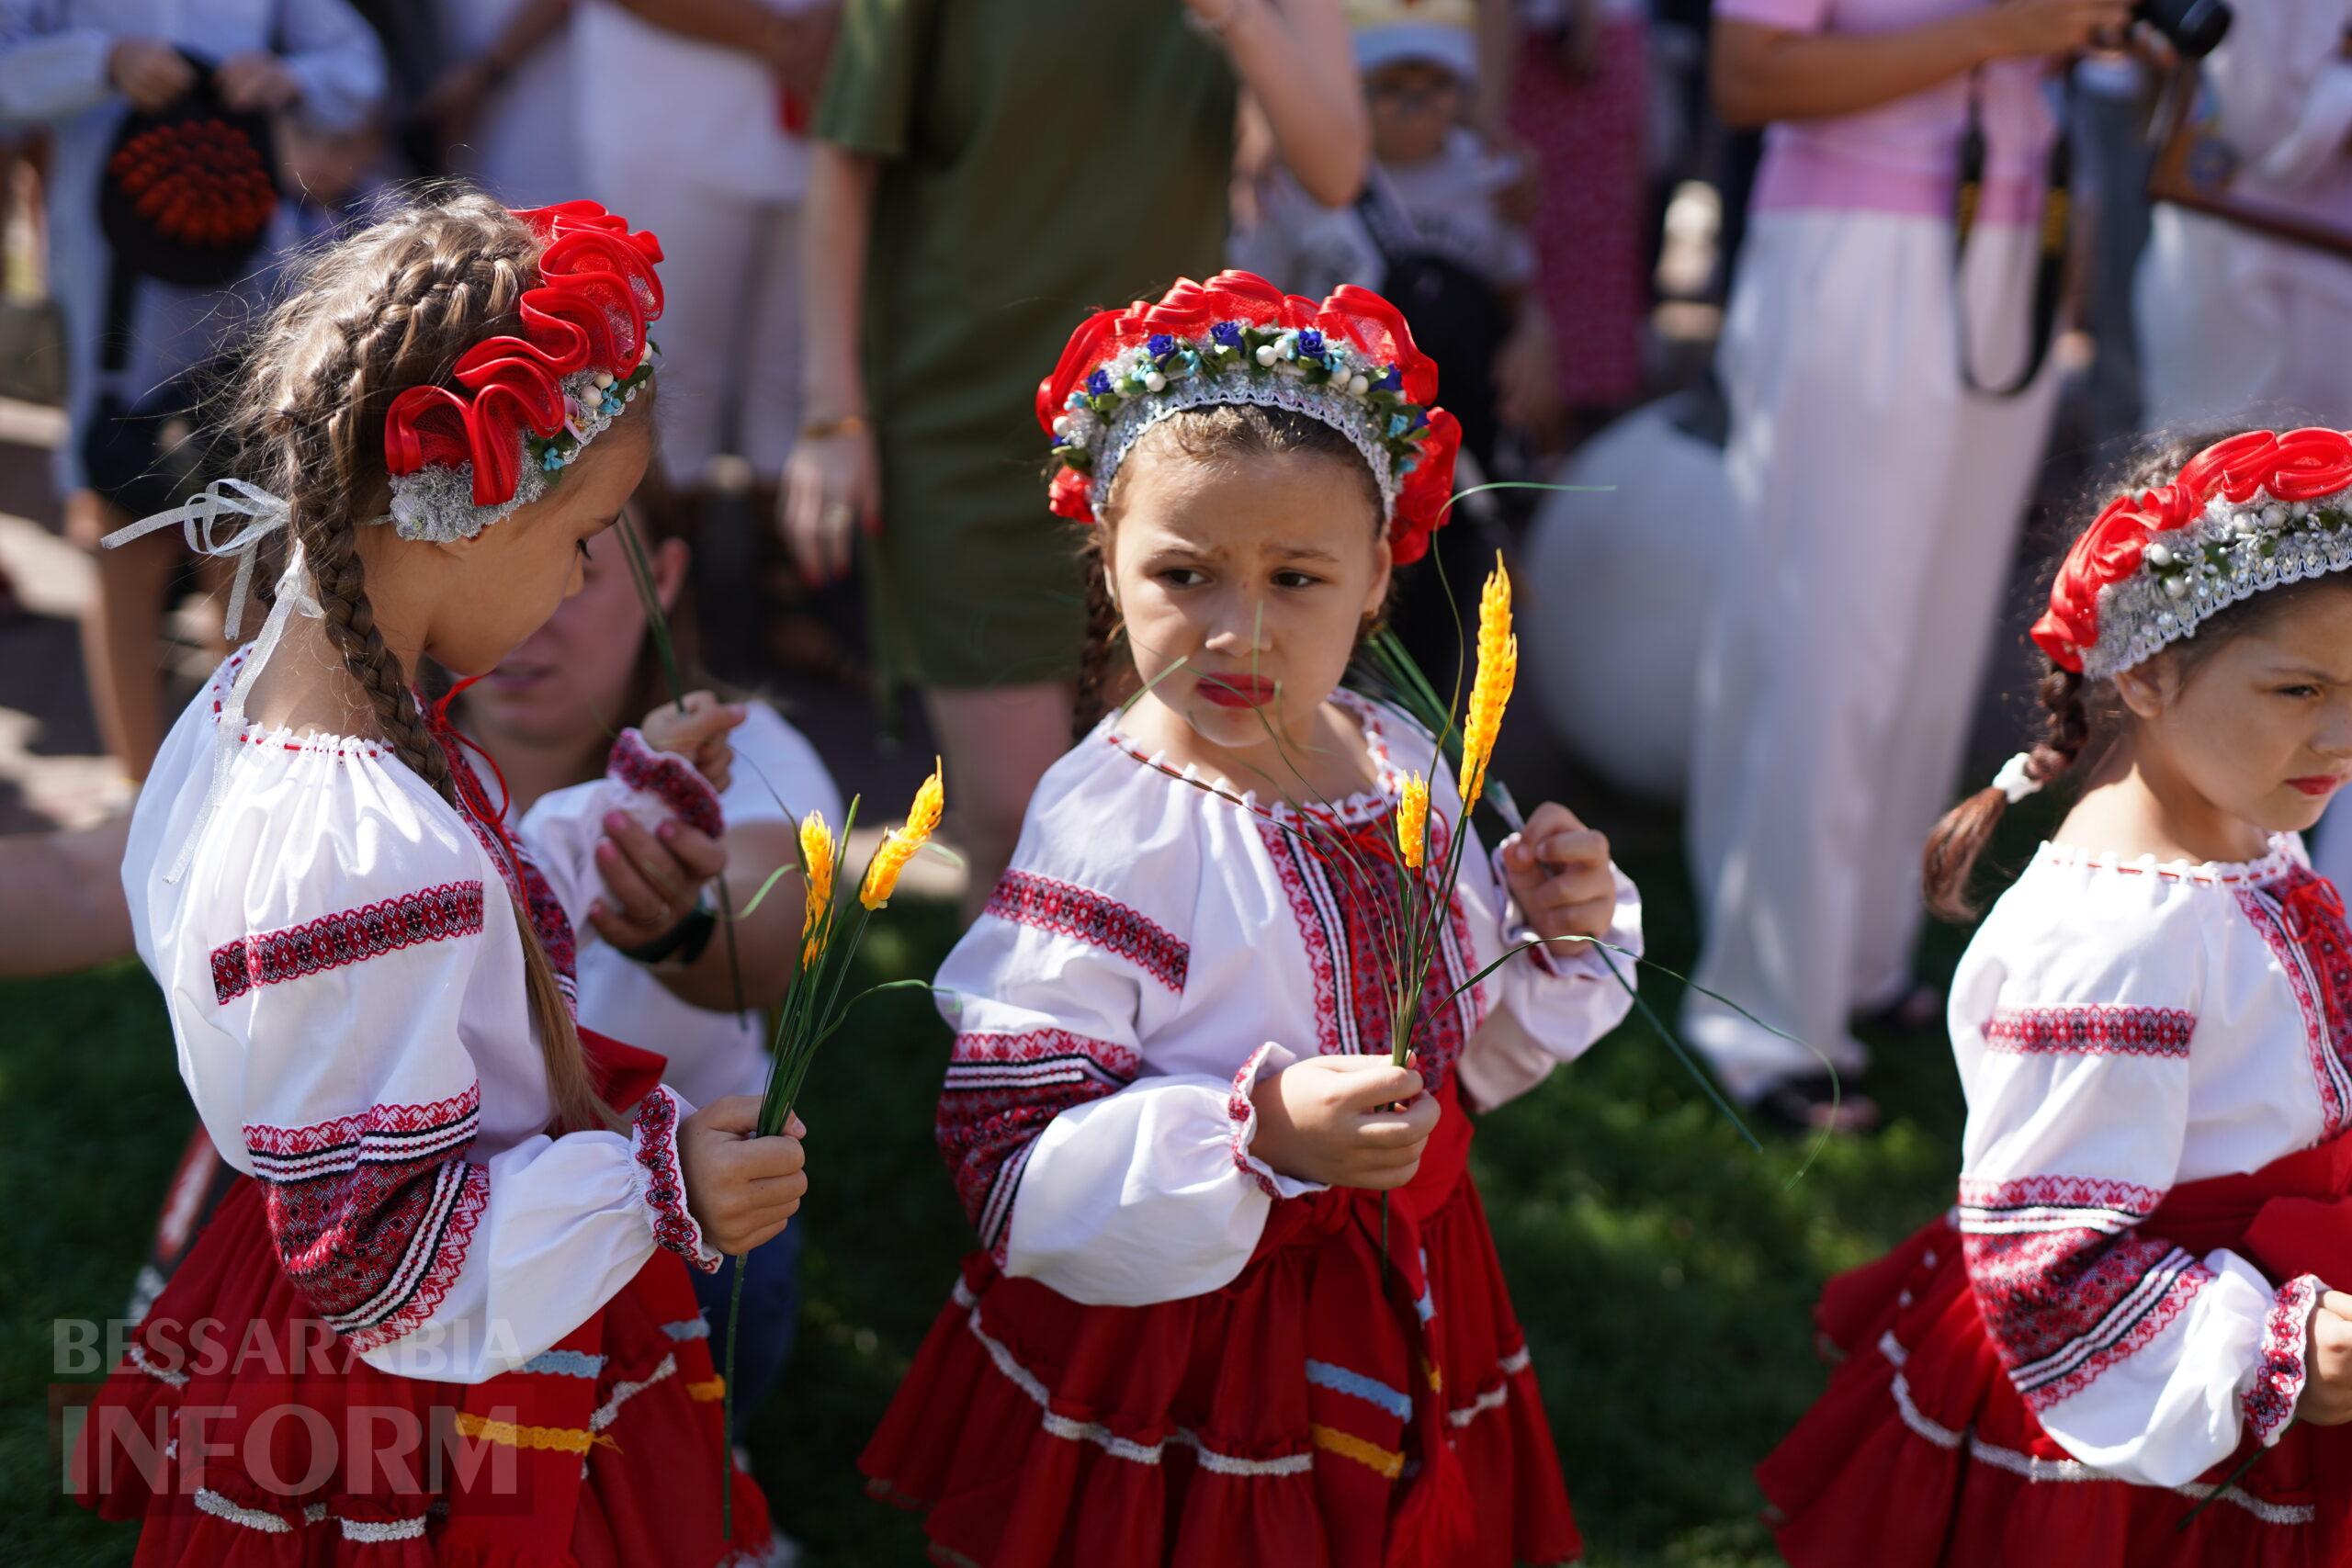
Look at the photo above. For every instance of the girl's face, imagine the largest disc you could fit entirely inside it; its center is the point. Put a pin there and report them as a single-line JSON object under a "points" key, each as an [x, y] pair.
{"points": [[1243, 583], [1414, 105], [2261, 730], [567, 683], [488, 594]]}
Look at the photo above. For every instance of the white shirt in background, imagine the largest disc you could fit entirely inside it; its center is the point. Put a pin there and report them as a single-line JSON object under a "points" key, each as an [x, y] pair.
{"points": [[711, 1053], [523, 151], [713, 114]]}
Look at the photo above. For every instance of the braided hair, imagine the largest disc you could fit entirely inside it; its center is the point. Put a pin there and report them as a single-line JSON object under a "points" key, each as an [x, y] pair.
{"points": [[2081, 718], [393, 306]]}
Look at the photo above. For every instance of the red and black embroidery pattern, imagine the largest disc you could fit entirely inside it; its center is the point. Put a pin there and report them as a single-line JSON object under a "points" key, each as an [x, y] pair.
{"points": [[1001, 1092], [2279, 1376], [1068, 909], [670, 779], [525, 880], [2097, 1030], [1242, 1112], [552, 926], [371, 1214], [2066, 1287], [266, 958], [664, 1185], [2301, 920], [1339, 878]]}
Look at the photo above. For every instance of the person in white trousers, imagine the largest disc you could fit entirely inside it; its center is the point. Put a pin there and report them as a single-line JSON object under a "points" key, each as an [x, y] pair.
{"points": [[683, 110], [1879, 497]]}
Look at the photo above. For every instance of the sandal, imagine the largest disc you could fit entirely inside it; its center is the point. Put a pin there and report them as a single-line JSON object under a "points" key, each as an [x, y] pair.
{"points": [[1812, 1104], [1920, 1008]]}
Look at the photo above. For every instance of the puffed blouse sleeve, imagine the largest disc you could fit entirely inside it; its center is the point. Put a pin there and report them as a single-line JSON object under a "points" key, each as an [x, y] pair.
{"points": [[562, 829], [1553, 999], [1082, 1164], [343, 985], [2075, 1022]]}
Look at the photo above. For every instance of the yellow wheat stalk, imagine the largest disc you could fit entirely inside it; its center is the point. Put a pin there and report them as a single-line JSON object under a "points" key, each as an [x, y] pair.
{"points": [[1490, 689], [899, 844], [1413, 821], [817, 867]]}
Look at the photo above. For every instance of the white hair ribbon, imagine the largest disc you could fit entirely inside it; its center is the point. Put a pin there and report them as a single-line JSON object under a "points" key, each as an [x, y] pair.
{"points": [[203, 519], [256, 515], [2014, 781]]}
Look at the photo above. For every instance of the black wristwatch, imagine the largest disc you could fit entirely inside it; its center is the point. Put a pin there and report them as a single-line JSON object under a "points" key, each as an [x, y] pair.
{"points": [[682, 944]]}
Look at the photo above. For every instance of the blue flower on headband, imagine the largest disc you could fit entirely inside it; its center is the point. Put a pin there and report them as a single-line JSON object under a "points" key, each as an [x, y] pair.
{"points": [[1159, 346], [1310, 344], [1099, 384], [1227, 334], [1391, 381]]}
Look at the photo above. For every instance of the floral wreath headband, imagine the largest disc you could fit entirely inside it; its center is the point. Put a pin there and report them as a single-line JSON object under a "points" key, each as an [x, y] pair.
{"points": [[2247, 514], [1348, 362]]}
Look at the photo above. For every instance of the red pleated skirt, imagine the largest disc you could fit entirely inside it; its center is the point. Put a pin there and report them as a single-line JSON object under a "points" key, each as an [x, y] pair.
{"points": [[240, 1431], [1922, 1452], [1320, 1410]]}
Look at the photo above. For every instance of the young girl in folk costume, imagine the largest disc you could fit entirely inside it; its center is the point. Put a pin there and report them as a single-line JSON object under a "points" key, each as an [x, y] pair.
{"points": [[1170, 1111], [444, 1318], [2139, 1290]]}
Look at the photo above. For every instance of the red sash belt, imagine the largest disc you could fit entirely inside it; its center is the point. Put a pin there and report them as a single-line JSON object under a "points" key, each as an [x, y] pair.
{"points": [[2291, 1217]]}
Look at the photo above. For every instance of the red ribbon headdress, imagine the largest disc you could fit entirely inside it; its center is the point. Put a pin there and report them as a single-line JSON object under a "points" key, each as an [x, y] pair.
{"points": [[460, 459], [2248, 514], [526, 403], [1348, 361]]}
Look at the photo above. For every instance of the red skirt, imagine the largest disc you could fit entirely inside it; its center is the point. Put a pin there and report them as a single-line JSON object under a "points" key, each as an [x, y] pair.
{"points": [[1922, 1452], [1312, 1413], [240, 1431]]}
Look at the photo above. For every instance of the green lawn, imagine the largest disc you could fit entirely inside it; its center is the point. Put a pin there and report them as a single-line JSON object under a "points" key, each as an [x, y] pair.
{"points": [[1663, 1269]]}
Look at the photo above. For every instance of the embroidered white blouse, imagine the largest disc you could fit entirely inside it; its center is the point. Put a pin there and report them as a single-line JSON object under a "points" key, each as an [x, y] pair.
{"points": [[342, 963], [2121, 1029], [1157, 947]]}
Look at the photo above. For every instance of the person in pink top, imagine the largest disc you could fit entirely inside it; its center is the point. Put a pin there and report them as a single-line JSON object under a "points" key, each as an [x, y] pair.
{"points": [[1889, 407]]}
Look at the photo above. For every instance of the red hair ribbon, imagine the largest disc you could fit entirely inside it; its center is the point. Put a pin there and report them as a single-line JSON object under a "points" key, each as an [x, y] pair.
{"points": [[597, 290]]}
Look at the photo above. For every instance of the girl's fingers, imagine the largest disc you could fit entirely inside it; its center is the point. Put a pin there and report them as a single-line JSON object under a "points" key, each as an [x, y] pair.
{"points": [[756, 1240], [1389, 1133], [1375, 1086], [769, 1195], [1593, 919], [1578, 886], [1574, 846]]}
